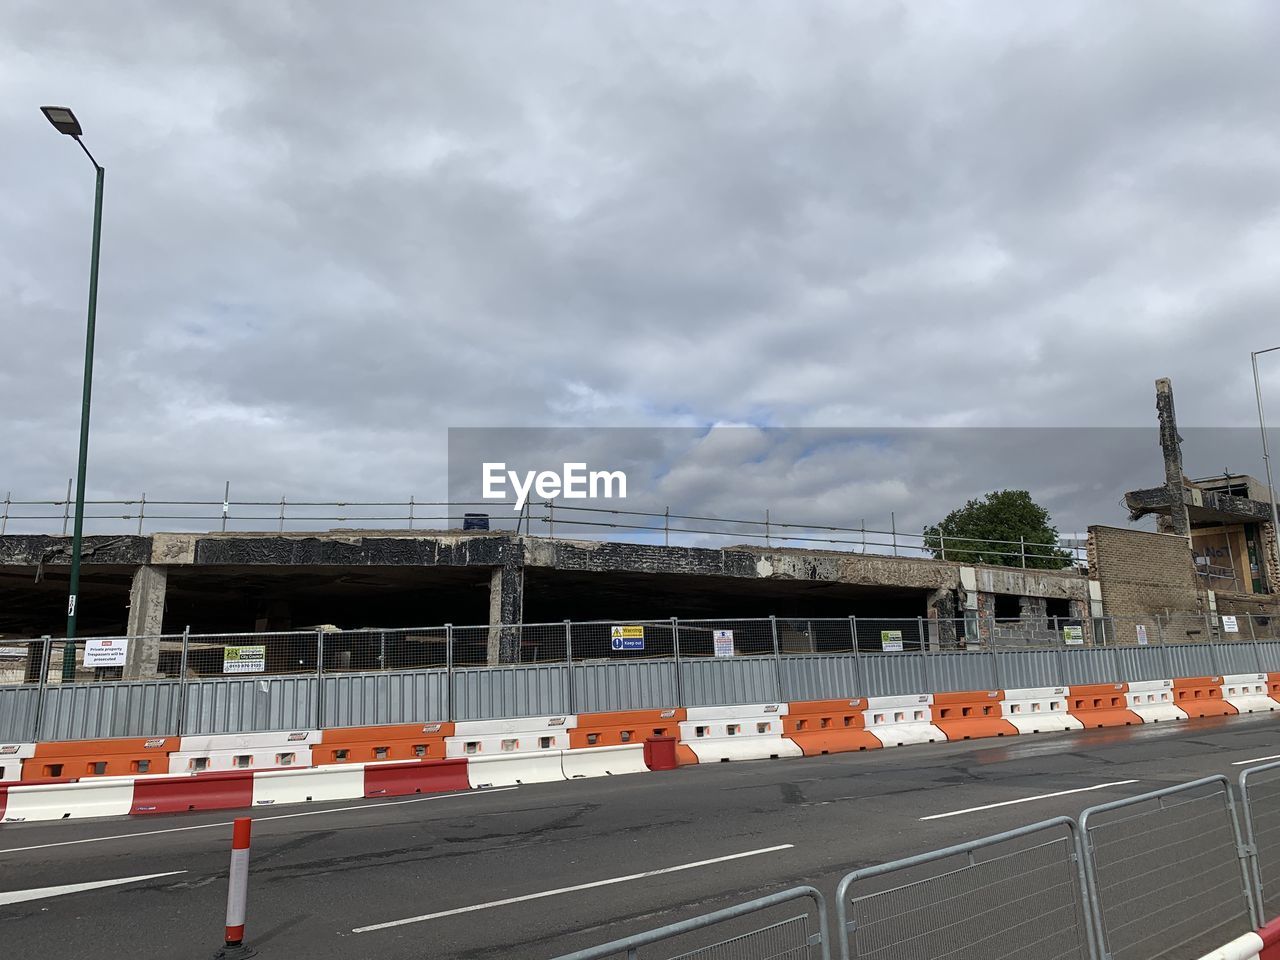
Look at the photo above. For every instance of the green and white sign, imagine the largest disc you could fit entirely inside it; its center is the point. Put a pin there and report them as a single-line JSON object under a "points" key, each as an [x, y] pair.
{"points": [[244, 659], [1073, 635], [891, 641]]}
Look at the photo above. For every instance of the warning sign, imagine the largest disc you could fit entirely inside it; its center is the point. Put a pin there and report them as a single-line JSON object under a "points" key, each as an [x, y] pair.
{"points": [[103, 652], [1073, 635], [723, 640], [1230, 625], [244, 659], [628, 637]]}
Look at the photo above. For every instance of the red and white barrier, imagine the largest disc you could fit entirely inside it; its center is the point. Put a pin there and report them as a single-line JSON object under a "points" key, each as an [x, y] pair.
{"points": [[11, 757], [238, 882], [1248, 693], [898, 721], [1152, 700], [1038, 710], [747, 732], [1246, 947], [602, 761]]}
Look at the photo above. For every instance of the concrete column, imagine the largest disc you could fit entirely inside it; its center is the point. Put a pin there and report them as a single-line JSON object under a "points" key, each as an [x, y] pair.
{"points": [[146, 622], [1171, 446], [506, 607]]}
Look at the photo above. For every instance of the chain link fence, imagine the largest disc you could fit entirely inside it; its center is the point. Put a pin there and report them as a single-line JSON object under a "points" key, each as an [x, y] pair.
{"points": [[1260, 801]]}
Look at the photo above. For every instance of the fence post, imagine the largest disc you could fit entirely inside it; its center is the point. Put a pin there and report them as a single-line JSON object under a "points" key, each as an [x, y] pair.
{"points": [[1022, 549], [4, 517], [995, 658], [1214, 657], [226, 504], [666, 527], [448, 672], [182, 680], [46, 645], [319, 679], [66, 509], [942, 542], [142, 511], [1257, 647], [568, 656], [282, 513], [858, 690], [777, 658], [411, 511], [675, 646], [551, 518], [893, 526]]}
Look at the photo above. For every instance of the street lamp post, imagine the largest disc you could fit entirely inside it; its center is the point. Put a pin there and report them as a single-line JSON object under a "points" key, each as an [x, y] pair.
{"points": [[64, 121], [1266, 460]]}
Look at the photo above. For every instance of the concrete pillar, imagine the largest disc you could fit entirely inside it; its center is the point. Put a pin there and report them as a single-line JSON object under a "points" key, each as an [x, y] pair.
{"points": [[146, 622], [506, 607]]}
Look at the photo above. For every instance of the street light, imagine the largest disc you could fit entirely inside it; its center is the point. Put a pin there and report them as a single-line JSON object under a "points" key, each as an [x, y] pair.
{"points": [[1266, 460], [64, 121]]}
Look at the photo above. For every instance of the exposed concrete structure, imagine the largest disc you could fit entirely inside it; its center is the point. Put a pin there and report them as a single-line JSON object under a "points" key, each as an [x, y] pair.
{"points": [[387, 578], [1171, 447], [146, 621]]}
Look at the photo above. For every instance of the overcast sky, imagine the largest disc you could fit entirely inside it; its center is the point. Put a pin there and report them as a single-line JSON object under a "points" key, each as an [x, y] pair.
{"points": [[334, 231]]}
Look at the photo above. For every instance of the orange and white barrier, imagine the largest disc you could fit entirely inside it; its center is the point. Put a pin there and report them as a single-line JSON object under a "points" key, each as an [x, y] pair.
{"points": [[118, 756], [828, 726], [899, 721], [1248, 693], [746, 732], [398, 741], [1038, 710], [1201, 697], [11, 757], [1152, 700], [1101, 705], [624, 727], [244, 751], [971, 715]]}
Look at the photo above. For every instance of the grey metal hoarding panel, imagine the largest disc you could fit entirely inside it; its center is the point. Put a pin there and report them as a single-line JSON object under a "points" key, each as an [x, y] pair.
{"points": [[638, 685], [18, 712], [709, 682], [484, 693], [87, 711], [951, 671], [1019, 669], [1270, 654], [247, 704], [1089, 665], [402, 696], [820, 677], [1191, 660], [1140, 663], [892, 674], [1237, 657]]}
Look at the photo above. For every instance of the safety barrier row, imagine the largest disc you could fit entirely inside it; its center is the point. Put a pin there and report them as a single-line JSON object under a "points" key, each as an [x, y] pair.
{"points": [[1170, 873], [543, 749]]}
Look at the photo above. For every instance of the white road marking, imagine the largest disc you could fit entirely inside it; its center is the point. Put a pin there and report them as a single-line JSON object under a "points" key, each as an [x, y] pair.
{"points": [[282, 816], [40, 893], [1241, 763], [573, 889], [1043, 796]]}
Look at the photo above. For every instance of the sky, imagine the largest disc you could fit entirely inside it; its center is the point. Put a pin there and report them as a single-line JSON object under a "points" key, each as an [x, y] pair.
{"points": [[333, 232]]}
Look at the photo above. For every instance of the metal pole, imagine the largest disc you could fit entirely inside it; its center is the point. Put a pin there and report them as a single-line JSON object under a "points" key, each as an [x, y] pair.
{"points": [[77, 536], [766, 528], [777, 657], [551, 517], [893, 525], [675, 646], [1022, 549], [1257, 648], [666, 527], [319, 679], [942, 541], [1266, 460], [46, 653], [410, 511], [226, 504], [1213, 647], [282, 513], [182, 679], [448, 667], [857, 659], [66, 507], [568, 657], [142, 511]]}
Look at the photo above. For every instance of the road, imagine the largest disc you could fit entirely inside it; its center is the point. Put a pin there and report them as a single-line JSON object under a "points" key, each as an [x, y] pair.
{"points": [[321, 873]]}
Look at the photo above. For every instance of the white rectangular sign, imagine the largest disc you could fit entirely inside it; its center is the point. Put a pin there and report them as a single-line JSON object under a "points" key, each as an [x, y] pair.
{"points": [[1230, 625], [891, 641], [723, 640], [1073, 635], [105, 652], [244, 659], [1142, 633]]}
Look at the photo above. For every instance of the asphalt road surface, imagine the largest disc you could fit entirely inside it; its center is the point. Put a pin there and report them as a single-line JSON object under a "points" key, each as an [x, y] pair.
{"points": [[483, 874]]}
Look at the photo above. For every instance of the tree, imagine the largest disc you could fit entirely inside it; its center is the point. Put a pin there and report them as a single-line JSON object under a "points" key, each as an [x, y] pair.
{"points": [[993, 529]]}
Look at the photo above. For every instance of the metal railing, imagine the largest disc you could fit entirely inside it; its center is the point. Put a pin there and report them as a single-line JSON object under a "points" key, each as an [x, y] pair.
{"points": [[1160, 876], [542, 516], [798, 937], [1017, 895]]}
